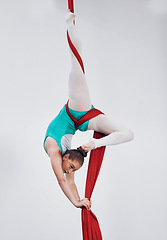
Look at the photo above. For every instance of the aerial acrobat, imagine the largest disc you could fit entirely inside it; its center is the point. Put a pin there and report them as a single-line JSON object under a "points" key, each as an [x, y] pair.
{"points": [[57, 143]]}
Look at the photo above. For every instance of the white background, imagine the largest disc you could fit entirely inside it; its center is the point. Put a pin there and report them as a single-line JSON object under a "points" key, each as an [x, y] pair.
{"points": [[125, 56]]}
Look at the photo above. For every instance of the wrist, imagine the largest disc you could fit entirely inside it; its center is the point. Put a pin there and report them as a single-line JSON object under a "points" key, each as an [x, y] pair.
{"points": [[76, 203]]}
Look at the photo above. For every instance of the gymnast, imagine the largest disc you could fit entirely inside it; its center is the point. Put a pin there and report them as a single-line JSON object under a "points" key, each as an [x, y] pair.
{"points": [[57, 143]]}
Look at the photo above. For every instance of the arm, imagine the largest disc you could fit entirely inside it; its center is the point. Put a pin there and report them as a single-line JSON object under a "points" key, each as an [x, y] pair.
{"points": [[73, 187], [56, 161], [54, 153], [70, 191]]}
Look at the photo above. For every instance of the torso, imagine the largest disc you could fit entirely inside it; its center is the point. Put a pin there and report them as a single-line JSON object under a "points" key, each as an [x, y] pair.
{"points": [[62, 128]]}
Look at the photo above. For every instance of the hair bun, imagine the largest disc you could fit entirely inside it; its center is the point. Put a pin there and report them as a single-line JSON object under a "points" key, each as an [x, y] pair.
{"points": [[82, 151]]}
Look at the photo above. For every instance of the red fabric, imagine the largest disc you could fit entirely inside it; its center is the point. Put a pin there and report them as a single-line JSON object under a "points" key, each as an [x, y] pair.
{"points": [[90, 225], [91, 114], [75, 52], [73, 118], [71, 5], [73, 49]]}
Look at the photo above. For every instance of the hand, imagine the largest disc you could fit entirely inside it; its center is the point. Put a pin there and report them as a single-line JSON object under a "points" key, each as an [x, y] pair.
{"points": [[84, 203]]}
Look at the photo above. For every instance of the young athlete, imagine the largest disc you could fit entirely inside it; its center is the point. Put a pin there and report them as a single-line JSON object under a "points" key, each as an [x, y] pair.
{"points": [[58, 137]]}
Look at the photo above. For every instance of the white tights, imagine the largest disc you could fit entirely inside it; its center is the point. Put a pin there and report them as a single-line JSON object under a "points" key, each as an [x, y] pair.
{"points": [[79, 99]]}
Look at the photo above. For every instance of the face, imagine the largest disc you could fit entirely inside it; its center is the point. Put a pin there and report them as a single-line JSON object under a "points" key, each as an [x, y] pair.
{"points": [[69, 165]]}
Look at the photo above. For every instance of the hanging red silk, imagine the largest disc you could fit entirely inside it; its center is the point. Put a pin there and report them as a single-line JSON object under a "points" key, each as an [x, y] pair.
{"points": [[71, 5], [90, 225]]}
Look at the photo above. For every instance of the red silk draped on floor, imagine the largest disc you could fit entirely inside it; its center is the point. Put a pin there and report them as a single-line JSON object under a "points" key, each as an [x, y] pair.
{"points": [[90, 225]]}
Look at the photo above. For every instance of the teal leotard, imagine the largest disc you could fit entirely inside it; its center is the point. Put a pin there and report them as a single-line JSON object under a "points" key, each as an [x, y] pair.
{"points": [[62, 128]]}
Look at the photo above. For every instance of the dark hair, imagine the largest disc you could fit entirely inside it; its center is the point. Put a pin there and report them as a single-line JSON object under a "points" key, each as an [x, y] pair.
{"points": [[77, 154]]}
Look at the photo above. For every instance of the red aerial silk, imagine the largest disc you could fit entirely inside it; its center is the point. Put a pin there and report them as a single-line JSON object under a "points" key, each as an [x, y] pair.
{"points": [[71, 5], [90, 225]]}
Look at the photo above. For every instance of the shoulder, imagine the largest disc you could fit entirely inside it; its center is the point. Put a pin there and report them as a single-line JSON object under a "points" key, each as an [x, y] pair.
{"points": [[51, 146]]}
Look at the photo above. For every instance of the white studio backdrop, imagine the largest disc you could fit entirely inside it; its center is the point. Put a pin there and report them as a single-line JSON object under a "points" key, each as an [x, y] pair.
{"points": [[125, 55]]}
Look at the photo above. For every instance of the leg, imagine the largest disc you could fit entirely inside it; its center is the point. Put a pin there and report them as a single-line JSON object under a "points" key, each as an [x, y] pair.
{"points": [[116, 134], [79, 98]]}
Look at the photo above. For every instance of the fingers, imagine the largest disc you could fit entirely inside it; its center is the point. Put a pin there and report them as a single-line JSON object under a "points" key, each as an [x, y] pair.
{"points": [[87, 204]]}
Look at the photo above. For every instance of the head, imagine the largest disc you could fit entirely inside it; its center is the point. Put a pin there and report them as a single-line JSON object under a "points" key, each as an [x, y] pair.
{"points": [[73, 160]]}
